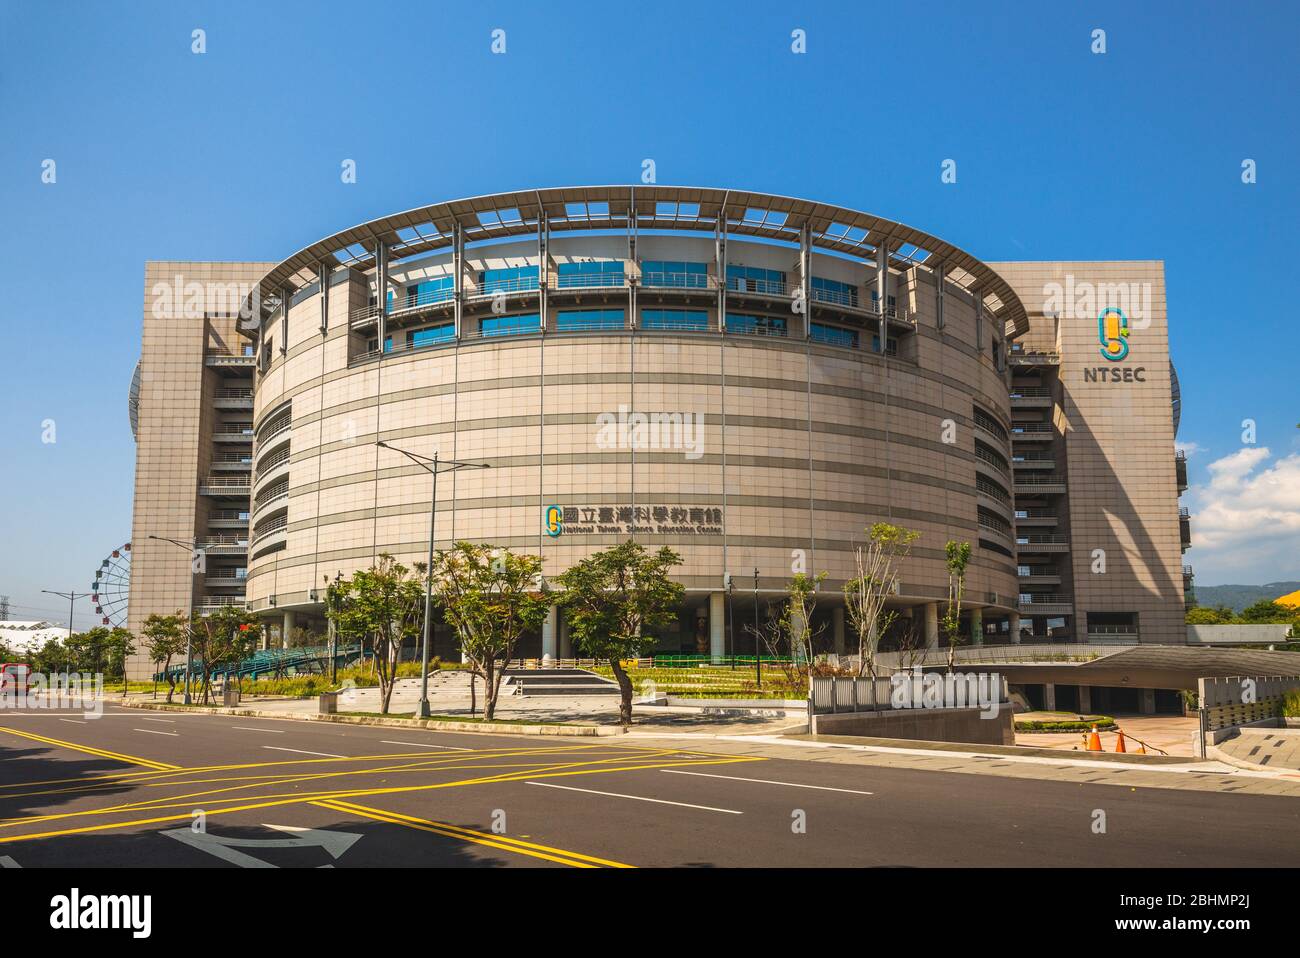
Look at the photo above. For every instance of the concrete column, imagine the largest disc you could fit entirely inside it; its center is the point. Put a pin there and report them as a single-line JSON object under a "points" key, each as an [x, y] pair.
{"points": [[1049, 697], [548, 635], [717, 626], [1085, 699], [932, 625], [1148, 702], [286, 632], [976, 626], [882, 292], [798, 625], [837, 629], [566, 643], [1015, 628]]}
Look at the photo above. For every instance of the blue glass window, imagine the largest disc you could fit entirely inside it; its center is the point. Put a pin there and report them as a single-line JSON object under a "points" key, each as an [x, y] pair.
{"points": [[833, 291], [755, 325], [891, 345], [753, 279], [572, 319], [696, 320], [423, 293], [832, 335], [675, 274], [433, 334], [510, 325], [600, 273], [508, 279]]}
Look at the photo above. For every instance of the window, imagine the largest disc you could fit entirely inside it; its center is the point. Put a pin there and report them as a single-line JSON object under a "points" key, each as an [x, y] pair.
{"points": [[833, 335], [432, 335], [599, 273], [891, 345], [510, 325], [755, 325], [372, 345], [509, 279], [675, 274], [696, 320], [753, 279], [833, 291], [576, 319], [875, 299], [426, 291]]}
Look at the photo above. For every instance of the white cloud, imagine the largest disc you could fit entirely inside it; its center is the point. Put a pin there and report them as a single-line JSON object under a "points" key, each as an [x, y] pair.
{"points": [[1189, 448], [1246, 519]]}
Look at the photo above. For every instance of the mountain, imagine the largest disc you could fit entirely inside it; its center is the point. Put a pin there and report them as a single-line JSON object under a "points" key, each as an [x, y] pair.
{"points": [[1237, 597]]}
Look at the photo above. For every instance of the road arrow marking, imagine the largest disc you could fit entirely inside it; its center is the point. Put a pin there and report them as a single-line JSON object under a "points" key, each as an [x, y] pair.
{"points": [[335, 843]]}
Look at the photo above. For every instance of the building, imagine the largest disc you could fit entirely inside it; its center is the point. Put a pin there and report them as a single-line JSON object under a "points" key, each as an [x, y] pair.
{"points": [[751, 379]]}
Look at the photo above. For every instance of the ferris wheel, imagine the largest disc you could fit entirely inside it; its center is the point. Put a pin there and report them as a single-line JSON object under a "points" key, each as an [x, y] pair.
{"points": [[112, 586]]}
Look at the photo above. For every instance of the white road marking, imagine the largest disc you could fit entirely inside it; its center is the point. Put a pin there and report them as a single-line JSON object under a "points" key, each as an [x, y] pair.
{"points": [[454, 748], [335, 843], [73, 721], [245, 728], [168, 721], [303, 751], [767, 781], [154, 731], [638, 798], [7, 862]]}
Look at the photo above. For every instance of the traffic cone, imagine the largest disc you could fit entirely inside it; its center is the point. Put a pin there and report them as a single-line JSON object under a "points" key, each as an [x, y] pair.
{"points": [[1094, 740], [1119, 745]]}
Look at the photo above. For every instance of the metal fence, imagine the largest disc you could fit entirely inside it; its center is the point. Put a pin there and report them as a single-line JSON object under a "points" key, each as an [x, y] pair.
{"points": [[858, 694]]}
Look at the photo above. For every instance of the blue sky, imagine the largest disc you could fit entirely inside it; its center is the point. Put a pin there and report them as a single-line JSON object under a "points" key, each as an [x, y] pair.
{"points": [[235, 155]]}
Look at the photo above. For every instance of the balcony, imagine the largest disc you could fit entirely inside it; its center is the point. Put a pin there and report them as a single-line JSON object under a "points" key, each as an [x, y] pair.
{"points": [[1033, 461], [1042, 604], [1180, 470], [228, 519], [224, 545], [211, 603], [232, 462], [232, 398], [984, 457], [991, 427], [1030, 357], [224, 579], [1184, 528], [1031, 397], [228, 362], [225, 486], [600, 279], [270, 531], [1041, 542], [1032, 432], [1036, 517], [1028, 484], [1039, 576], [270, 495], [233, 433]]}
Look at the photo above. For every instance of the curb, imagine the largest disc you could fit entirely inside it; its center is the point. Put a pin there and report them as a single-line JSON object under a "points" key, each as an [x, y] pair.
{"points": [[496, 728]]}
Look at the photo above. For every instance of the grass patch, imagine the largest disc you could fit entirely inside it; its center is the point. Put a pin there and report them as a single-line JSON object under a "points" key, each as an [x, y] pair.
{"points": [[1104, 723], [466, 719], [712, 682]]}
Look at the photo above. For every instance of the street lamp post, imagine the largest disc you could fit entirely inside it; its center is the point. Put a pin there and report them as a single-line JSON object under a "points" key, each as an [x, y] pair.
{"points": [[758, 658], [189, 615], [432, 465], [731, 617], [72, 598]]}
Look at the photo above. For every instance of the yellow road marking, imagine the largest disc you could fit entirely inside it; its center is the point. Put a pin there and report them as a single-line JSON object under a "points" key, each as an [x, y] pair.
{"points": [[531, 849], [101, 753], [279, 800]]}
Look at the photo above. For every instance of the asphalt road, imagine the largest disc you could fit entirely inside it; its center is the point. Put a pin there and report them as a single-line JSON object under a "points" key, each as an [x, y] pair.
{"points": [[128, 789]]}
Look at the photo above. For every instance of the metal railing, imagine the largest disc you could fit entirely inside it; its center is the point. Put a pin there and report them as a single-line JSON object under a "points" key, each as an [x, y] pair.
{"points": [[1047, 539], [835, 694], [272, 429], [591, 281], [520, 284], [990, 425], [1030, 392], [270, 462], [836, 297], [675, 280], [218, 482], [1053, 480], [991, 459], [268, 528], [763, 287], [424, 297], [1043, 599], [989, 489]]}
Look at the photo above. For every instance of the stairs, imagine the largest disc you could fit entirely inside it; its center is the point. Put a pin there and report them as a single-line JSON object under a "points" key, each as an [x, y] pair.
{"points": [[558, 682]]}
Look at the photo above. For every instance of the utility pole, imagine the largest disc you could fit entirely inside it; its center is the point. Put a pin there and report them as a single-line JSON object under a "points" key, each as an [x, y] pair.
{"points": [[72, 598]]}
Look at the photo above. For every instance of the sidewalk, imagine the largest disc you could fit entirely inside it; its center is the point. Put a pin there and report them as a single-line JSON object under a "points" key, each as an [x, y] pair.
{"points": [[1263, 748], [1170, 733]]}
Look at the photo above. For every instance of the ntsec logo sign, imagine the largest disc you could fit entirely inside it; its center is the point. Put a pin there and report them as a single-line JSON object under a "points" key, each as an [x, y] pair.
{"points": [[1112, 332]]}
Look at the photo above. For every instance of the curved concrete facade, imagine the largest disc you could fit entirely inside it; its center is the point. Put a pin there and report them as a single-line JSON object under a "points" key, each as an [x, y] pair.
{"points": [[776, 427]]}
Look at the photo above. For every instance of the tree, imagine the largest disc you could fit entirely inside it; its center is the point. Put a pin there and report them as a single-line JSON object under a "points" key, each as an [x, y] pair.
{"points": [[164, 638], [790, 624], [384, 602], [956, 558], [491, 597], [611, 598], [1265, 611], [1204, 615], [875, 579], [223, 637]]}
